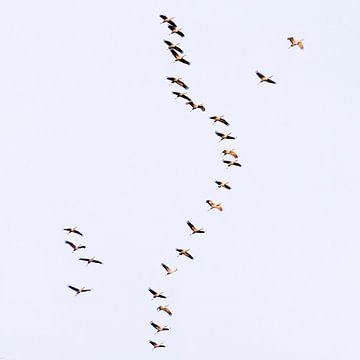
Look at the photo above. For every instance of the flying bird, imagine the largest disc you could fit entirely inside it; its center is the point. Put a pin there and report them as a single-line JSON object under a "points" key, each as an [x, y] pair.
{"points": [[182, 95], [230, 152], [165, 309], [222, 184], [185, 253], [179, 57], [157, 294], [194, 229], [231, 163], [158, 327], [75, 247], [219, 118], [177, 81], [168, 269], [78, 290], [224, 136], [175, 30], [173, 46], [195, 106], [168, 20], [264, 78], [91, 260], [73, 230], [156, 345], [213, 205], [296, 42]]}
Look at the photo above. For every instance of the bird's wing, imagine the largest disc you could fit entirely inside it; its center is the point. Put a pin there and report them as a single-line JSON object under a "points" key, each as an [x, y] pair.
{"points": [[153, 343], [97, 261], [71, 244], [162, 296], [165, 267], [85, 290], [218, 182], [213, 117], [227, 187], [156, 326], [178, 49], [182, 84], [175, 54], [167, 42], [237, 164], [172, 23], [171, 27], [189, 256], [185, 61], [229, 137], [84, 259], [226, 161], [176, 93], [167, 311], [191, 226], [202, 107], [270, 81], [259, 74], [77, 232], [81, 247], [210, 202], [152, 291], [219, 133], [191, 103], [73, 288], [224, 122], [171, 78], [181, 33], [185, 97], [164, 17], [291, 39], [234, 154]]}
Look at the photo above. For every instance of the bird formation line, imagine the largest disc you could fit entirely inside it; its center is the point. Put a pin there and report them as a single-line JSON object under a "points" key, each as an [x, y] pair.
{"points": [[88, 260]]}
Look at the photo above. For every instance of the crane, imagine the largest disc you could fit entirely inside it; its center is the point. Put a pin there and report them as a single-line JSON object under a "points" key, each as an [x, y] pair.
{"points": [[196, 106], [165, 309], [158, 327], [168, 20], [75, 247], [176, 30], [223, 136], [173, 46], [78, 290], [231, 163], [157, 294], [91, 260], [230, 152], [296, 42], [213, 205], [219, 118], [156, 345], [194, 229], [73, 230], [179, 57], [185, 253], [178, 81], [168, 269], [222, 184], [182, 95], [264, 78]]}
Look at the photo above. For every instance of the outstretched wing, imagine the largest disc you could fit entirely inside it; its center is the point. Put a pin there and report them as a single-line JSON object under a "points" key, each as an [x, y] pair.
{"points": [[71, 244], [191, 226]]}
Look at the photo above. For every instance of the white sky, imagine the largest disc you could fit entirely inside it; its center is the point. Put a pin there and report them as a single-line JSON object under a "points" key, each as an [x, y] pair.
{"points": [[92, 137]]}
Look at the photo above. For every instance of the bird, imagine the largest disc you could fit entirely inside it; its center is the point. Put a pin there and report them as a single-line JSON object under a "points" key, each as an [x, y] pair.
{"points": [[222, 184], [230, 152], [168, 20], [179, 57], [213, 205], [157, 294], [173, 46], [224, 136], [91, 260], [75, 247], [158, 327], [182, 95], [177, 81], [264, 78], [194, 229], [78, 290], [296, 42], [156, 345], [185, 253], [176, 30], [231, 163], [195, 106], [165, 309], [219, 118], [168, 269], [73, 230]]}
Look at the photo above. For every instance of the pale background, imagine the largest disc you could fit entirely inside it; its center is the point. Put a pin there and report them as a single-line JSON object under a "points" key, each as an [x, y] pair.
{"points": [[91, 136]]}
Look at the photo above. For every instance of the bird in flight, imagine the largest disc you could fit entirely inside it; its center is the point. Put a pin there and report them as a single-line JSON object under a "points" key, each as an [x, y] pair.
{"points": [[165, 309], [176, 30], [222, 184], [194, 229], [296, 42], [156, 345], [179, 57], [91, 260], [182, 95], [231, 163], [158, 327], [213, 205], [168, 20], [73, 230], [75, 247], [157, 294], [196, 106], [264, 78], [168, 269], [177, 81], [230, 152], [185, 253], [78, 290], [219, 118], [223, 136], [173, 46]]}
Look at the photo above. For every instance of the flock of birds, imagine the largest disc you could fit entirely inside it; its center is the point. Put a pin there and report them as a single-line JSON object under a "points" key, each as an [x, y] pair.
{"points": [[88, 260], [230, 157]]}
